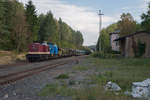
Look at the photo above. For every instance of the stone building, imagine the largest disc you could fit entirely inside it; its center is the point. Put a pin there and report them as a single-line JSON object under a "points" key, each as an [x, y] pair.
{"points": [[114, 44], [135, 45]]}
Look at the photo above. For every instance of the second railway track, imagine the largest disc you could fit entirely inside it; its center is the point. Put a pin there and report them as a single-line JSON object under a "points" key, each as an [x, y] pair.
{"points": [[13, 77]]}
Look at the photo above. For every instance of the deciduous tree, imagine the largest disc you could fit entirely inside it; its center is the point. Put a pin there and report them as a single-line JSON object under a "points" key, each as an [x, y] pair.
{"points": [[146, 19], [127, 25], [104, 38], [19, 29]]}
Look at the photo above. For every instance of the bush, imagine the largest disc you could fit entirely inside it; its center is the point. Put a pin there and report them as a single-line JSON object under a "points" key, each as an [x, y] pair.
{"points": [[116, 52], [98, 54], [62, 76], [105, 55]]}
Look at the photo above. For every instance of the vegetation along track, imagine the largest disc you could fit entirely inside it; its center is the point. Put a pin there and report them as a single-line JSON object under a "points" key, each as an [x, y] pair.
{"points": [[12, 77], [19, 64]]}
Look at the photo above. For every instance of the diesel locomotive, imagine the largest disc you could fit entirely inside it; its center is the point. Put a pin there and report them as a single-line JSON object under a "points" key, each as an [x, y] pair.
{"points": [[45, 51]]}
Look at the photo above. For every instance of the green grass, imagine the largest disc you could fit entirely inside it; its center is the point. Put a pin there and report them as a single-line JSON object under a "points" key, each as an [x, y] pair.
{"points": [[86, 93], [53, 90], [97, 93], [122, 71], [62, 76], [81, 68]]}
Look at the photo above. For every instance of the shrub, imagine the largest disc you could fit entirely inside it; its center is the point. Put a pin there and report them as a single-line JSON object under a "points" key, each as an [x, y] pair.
{"points": [[116, 52], [62, 76], [98, 54], [105, 55]]}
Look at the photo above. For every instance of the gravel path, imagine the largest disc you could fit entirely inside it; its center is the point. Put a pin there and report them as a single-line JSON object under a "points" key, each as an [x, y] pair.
{"points": [[29, 88]]}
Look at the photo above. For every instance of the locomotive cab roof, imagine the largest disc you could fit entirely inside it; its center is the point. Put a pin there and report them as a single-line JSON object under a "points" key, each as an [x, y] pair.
{"points": [[50, 43]]}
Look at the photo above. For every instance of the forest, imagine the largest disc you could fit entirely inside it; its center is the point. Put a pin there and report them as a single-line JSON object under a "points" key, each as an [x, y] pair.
{"points": [[21, 25]]}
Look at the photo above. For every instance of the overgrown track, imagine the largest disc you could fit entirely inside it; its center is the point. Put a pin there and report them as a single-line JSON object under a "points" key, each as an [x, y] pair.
{"points": [[12, 77]]}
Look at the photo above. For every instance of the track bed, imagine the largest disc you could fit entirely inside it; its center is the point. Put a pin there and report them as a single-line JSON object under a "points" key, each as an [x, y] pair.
{"points": [[12, 74]]}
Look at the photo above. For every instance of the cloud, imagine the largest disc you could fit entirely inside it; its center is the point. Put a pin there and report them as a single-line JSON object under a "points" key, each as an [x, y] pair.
{"points": [[146, 1], [137, 10], [144, 5], [83, 19], [125, 8]]}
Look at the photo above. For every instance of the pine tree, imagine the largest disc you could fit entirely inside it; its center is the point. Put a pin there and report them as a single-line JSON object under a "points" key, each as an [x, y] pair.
{"points": [[32, 21], [48, 29], [7, 13]]}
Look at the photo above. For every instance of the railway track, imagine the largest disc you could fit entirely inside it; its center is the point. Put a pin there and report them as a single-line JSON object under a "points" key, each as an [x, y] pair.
{"points": [[13, 77], [25, 63]]}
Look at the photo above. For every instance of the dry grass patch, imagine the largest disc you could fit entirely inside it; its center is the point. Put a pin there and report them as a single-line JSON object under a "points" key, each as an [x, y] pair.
{"points": [[8, 57]]}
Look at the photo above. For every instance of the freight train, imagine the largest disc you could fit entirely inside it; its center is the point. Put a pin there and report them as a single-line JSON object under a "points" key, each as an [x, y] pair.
{"points": [[45, 51]]}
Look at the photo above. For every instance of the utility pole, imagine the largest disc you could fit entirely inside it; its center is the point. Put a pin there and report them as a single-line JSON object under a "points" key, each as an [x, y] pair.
{"points": [[100, 27]]}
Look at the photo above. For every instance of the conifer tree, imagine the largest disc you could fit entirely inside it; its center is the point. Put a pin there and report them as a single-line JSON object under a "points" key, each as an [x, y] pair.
{"points": [[32, 21]]}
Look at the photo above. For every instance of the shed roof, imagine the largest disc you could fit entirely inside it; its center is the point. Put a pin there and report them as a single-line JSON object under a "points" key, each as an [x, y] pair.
{"points": [[115, 32], [130, 35]]}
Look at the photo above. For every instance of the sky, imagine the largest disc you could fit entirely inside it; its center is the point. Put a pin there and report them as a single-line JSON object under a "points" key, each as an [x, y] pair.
{"points": [[82, 15]]}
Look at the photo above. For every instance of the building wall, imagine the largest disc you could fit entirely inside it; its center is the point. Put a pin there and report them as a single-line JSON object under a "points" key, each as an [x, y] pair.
{"points": [[129, 47], [114, 44], [123, 47], [144, 38]]}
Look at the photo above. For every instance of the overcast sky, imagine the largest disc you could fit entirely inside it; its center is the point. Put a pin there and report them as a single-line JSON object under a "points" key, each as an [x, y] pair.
{"points": [[82, 14]]}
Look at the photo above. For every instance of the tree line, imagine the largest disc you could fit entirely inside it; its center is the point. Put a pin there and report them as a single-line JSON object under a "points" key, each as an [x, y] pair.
{"points": [[126, 25], [20, 25]]}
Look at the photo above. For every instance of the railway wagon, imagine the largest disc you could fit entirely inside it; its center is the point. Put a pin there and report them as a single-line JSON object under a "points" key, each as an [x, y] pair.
{"points": [[67, 52]]}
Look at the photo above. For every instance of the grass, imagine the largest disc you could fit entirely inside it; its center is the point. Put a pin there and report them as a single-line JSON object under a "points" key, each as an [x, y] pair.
{"points": [[86, 93], [97, 93], [53, 90], [80, 68], [9, 57], [122, 71], [62, 76]]}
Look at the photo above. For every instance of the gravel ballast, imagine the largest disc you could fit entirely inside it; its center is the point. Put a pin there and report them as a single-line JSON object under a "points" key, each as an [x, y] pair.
{"points": [[29, 87]]}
